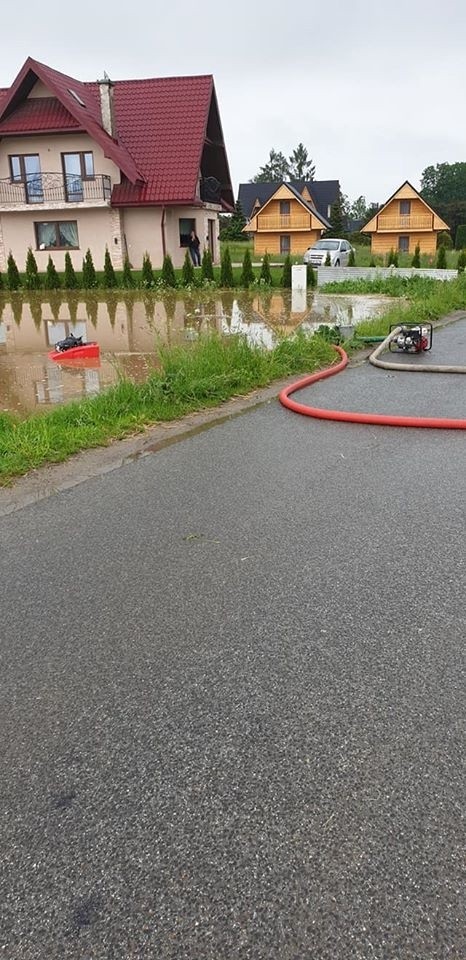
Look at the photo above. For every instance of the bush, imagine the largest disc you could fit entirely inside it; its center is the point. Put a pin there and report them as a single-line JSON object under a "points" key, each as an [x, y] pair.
{"points": [[441, 263], [12, 273], [247, 273], [351, 259], [32, 273], [265, 274], [89, 274], [168, 276], [110, 279], [416, 261], [328, 261], [286, 274], [226, 269], [460, 237], [372, 262], [127, 278], [311, 277], [444, 240], [393, 258], [52, 280], [1, 281], [207, 267], [147, 273], [70, 280], [461, 261], [188, 274]]}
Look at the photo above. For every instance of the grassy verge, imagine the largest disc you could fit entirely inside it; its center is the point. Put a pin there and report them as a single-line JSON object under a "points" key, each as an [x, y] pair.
{"points": [[212, 371], [425, 301]]}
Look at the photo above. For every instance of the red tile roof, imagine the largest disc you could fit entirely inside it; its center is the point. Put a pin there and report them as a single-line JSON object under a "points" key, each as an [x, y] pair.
{"points": [[38, 115], [160, 124]]}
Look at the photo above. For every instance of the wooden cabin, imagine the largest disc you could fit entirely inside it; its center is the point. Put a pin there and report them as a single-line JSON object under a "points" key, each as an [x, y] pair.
{"points": [[404, 222], [287, 222]]}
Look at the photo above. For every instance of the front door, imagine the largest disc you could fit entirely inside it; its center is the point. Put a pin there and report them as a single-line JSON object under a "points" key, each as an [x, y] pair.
{"points": [[285, 243]]}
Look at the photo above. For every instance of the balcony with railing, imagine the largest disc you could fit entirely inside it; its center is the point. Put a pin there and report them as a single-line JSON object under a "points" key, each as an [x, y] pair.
{"points": [[55, 190], [407, 222], [283, 222]]}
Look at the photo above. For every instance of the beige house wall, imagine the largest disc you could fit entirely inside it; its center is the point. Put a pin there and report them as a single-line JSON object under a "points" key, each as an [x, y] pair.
{"points": [[50, 149], [142, 231], [96, 230]]}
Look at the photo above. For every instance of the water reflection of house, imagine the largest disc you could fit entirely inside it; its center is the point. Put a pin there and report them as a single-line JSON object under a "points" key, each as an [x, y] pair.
{"points": [[281, 309]]}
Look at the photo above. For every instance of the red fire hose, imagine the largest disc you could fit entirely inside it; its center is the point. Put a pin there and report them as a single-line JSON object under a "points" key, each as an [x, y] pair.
{"points": [[353, 417]]}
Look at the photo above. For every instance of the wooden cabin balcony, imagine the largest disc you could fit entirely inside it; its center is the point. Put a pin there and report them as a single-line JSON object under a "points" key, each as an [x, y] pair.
{"points": [[55, 191], [283, 222], [408, 222]]}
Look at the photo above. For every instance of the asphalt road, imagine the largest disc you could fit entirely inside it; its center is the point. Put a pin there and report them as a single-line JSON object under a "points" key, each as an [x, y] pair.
{"points": [[232, 703]]}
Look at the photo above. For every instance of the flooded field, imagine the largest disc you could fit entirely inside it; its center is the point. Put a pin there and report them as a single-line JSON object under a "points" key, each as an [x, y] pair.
{"points": [[131, 329]]}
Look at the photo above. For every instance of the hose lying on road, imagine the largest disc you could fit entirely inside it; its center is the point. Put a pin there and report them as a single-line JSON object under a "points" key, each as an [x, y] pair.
{"points": [[377, 419]]}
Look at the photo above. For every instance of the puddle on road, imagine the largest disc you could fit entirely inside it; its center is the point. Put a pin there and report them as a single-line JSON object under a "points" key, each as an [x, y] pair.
{"points": [[130, 330]]}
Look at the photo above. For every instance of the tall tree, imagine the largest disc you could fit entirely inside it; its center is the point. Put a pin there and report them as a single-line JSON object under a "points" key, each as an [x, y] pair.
{"points": [[276, 168], [233, 228], [301, 166], [444, 183]]}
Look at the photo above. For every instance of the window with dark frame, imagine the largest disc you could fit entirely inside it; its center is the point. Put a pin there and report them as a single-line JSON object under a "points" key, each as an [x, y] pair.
{"points": [[57, 235], [285, 243], [284, 208], [79, 164], [186, 225], [25, 168], [403, 244], [405, 208]]}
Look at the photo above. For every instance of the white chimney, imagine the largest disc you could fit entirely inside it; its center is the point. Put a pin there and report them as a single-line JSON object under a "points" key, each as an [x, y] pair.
{"points": [[106, 105]]}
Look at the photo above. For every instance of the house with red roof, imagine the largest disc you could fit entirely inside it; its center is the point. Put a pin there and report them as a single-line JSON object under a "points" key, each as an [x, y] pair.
{"points": [[132, 165]]}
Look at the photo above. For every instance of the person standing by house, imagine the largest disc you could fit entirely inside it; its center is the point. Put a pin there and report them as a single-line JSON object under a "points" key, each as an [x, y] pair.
{"points": [[195, 248]]}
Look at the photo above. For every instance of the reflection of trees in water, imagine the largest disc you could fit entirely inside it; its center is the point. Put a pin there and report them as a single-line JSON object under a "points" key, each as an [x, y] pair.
{"points": [[111, 302], [17, 308], [55, 302], [92, 307], [72, 301], [35, 306], [149, 307]]}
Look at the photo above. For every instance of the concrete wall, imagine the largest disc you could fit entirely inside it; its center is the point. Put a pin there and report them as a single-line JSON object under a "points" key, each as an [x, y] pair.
{"points": [[338, 274]]}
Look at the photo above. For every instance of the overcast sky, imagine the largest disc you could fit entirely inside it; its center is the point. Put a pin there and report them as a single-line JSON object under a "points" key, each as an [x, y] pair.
{"points": [[375, 89]]}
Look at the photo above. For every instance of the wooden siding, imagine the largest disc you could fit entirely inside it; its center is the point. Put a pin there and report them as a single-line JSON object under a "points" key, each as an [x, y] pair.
{"points": [[384, 242], [270, 242], [298, 218]]}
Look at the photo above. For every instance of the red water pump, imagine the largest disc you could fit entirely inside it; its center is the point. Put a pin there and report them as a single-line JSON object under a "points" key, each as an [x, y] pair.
{"points": [[412, 338]]}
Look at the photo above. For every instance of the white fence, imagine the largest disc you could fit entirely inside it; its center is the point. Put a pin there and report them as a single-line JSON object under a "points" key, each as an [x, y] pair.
{"points": [[337, 274]]}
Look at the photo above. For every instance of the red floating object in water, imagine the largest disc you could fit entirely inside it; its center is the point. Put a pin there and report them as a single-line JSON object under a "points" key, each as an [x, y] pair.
{"points": [[84, 352]]}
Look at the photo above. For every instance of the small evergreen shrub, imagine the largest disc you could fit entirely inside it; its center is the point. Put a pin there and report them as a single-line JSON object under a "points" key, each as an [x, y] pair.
{"points": [[444, 240], [187, 272], [52, 280], [70, 280], [207, 267], [127, 279], [110, 279], [147, 273], [416, 261], [352, 258], [89, 274], [311, 277], [226, 269], [265, 274], [460, 237], [247, 273], [286, 273], [393, 258], [32, 273], [461, 261], [327, 261], [441, 263], [372, 262], [12, 273], [168, 271]]}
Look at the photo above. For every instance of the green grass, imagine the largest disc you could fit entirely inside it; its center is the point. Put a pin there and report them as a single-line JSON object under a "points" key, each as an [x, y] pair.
{"points": [[426, 301], [210, 372]]}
